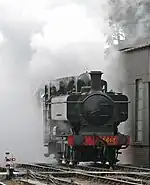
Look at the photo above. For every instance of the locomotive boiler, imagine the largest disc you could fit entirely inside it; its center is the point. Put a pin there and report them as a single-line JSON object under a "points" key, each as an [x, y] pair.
{"points": [[83, 119]]}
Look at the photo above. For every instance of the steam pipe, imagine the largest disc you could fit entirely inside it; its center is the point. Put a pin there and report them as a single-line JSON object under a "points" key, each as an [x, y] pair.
{"points": [[96, 83]]}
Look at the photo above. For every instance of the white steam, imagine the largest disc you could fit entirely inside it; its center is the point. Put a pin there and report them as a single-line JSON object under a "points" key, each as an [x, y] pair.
{"points": [[19, 114], [70, 43]]}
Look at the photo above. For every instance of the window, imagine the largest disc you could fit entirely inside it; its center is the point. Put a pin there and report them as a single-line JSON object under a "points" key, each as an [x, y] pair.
{"points": [[139, 110]]}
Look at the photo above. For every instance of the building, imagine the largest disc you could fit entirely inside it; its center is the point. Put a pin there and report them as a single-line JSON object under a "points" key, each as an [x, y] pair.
{"points": [[136, 59]]}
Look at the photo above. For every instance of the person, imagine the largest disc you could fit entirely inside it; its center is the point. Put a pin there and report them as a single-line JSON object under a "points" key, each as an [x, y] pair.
{"points": [[71, 85], [53, 90], [62, 89]]}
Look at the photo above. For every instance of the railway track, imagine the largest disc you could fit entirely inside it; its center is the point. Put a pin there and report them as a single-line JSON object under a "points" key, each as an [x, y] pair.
{"points": [[84, 174], [78, 178]]}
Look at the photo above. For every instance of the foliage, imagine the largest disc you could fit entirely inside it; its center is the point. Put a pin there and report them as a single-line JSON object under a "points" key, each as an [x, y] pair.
{"points": [[128, 19]]}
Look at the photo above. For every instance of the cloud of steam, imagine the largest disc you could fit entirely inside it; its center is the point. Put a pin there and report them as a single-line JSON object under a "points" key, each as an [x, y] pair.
{"points": [[70, 43], [18, 113], [39, 41]]}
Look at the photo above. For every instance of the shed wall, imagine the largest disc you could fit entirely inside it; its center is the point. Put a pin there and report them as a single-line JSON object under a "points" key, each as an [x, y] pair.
{"points": [[137, 67]]}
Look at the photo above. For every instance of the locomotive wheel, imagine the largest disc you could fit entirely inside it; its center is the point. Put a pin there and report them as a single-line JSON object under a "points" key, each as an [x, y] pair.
{"points": [[66, 158], [111, 164], [103, 162], [74, 163], [58, 158]]}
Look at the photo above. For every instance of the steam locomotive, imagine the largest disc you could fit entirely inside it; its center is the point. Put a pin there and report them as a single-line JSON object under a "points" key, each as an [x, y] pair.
{"points": [[83, 120]]}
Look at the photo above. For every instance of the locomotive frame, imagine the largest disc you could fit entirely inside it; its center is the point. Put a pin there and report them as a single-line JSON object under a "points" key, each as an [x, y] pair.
{"points": [[83, 122]]}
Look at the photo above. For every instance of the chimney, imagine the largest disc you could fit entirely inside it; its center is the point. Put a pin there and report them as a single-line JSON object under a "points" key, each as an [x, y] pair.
{"points": [[96, 81]]}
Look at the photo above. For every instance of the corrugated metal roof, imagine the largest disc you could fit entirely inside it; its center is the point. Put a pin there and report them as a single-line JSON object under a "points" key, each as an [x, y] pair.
{"points": [[135, 47], [130, 45], [134, 44]]}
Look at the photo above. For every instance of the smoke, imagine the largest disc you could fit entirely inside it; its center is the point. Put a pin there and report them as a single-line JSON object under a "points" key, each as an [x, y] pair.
{"points": [[19, 115], [41, 40], [70, 43]]}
